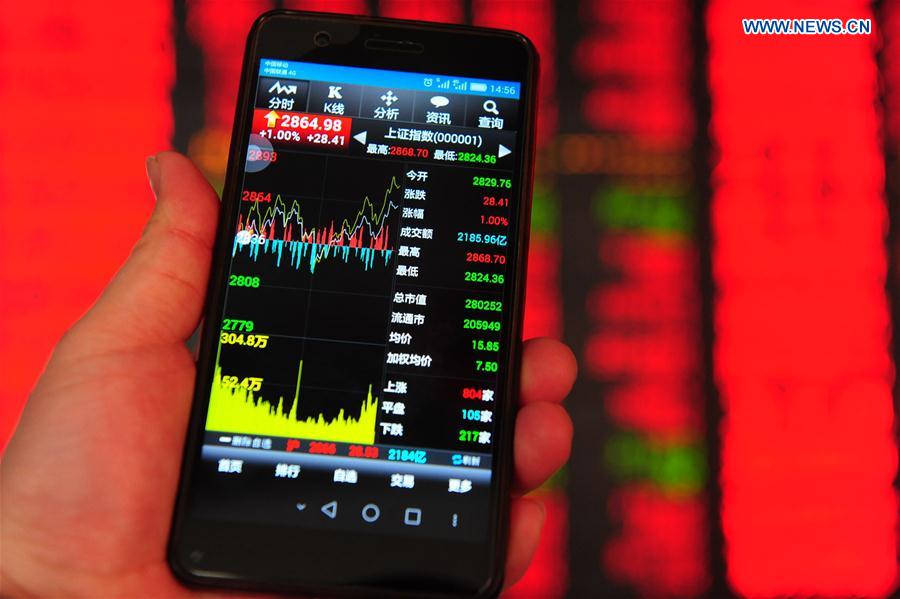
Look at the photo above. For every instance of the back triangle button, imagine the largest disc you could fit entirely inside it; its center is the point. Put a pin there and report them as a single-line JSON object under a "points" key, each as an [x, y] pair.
{"points": [[330, 509]]}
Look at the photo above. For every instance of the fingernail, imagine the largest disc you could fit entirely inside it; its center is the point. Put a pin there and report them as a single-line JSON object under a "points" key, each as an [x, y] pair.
{"points": [[152, 165]]}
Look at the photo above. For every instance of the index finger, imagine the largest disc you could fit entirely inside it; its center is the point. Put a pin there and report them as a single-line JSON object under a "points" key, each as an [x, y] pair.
{"points": [[548, 371]]}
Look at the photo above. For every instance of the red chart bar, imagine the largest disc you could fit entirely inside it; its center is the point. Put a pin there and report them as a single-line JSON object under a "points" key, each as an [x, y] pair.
{"points": [[359, 7], [641, 354], [802, 324], [74, 194], [444, 11]]}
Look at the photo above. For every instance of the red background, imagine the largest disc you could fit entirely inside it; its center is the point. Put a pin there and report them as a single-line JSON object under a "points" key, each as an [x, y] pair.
{"points": [[757, 336]]}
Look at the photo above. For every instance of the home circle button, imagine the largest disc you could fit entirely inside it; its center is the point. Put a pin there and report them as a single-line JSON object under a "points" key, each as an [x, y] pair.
{"points": [[371, 512]]}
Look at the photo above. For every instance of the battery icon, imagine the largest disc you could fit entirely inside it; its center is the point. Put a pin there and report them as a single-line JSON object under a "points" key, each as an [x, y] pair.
{"points": [[478, 87]]}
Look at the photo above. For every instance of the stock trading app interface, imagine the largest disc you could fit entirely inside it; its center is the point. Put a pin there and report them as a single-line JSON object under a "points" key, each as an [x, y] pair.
{"points": [[356, 381]]}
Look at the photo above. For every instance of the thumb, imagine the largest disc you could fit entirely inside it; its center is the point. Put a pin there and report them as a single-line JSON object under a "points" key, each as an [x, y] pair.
{"points": [[158, 294]]}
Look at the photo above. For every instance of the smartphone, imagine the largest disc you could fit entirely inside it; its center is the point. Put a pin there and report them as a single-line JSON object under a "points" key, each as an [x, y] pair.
{"points": [[352, 424]]}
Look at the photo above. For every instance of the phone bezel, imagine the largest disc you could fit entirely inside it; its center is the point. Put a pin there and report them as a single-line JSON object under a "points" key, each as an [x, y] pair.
{"points": [[513, 58]]}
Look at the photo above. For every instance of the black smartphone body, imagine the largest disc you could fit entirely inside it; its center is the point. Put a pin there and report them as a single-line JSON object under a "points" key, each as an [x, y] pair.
{"points": [[351, 432]]}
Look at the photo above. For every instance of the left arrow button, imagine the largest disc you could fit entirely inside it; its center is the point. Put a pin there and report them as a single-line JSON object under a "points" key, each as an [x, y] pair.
{"points": [[330, 509]]}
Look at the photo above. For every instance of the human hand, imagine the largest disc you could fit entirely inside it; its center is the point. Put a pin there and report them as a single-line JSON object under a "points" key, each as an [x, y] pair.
{"points": [[89, 478]]}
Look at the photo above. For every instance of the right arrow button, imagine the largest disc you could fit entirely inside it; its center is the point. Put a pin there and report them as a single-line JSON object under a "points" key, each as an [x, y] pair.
{"points": [[503, 151]]}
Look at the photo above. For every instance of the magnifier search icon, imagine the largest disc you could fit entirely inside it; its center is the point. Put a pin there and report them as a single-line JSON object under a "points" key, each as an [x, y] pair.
{"points": [[490, 106]]}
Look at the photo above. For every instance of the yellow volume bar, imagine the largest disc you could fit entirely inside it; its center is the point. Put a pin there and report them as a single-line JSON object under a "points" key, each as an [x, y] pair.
{"points": [[236, 410]]}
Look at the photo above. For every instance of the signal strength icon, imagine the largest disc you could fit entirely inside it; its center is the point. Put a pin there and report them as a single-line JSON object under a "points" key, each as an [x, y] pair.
{"points": [[444, 85]]}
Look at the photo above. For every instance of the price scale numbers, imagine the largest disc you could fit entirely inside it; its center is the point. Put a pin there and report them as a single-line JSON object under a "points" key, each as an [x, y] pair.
{"points": [[448, 307], [485, 247]]}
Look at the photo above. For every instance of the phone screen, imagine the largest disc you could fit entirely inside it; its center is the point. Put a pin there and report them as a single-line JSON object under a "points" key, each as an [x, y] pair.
{"points": [[361, 363]]}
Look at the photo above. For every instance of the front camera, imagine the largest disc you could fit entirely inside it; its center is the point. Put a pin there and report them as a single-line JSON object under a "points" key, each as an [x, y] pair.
{"points": [[322, 39]]}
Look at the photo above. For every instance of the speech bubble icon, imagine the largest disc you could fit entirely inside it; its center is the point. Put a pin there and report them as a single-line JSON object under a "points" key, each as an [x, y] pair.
{"points": [[440, 101]]}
